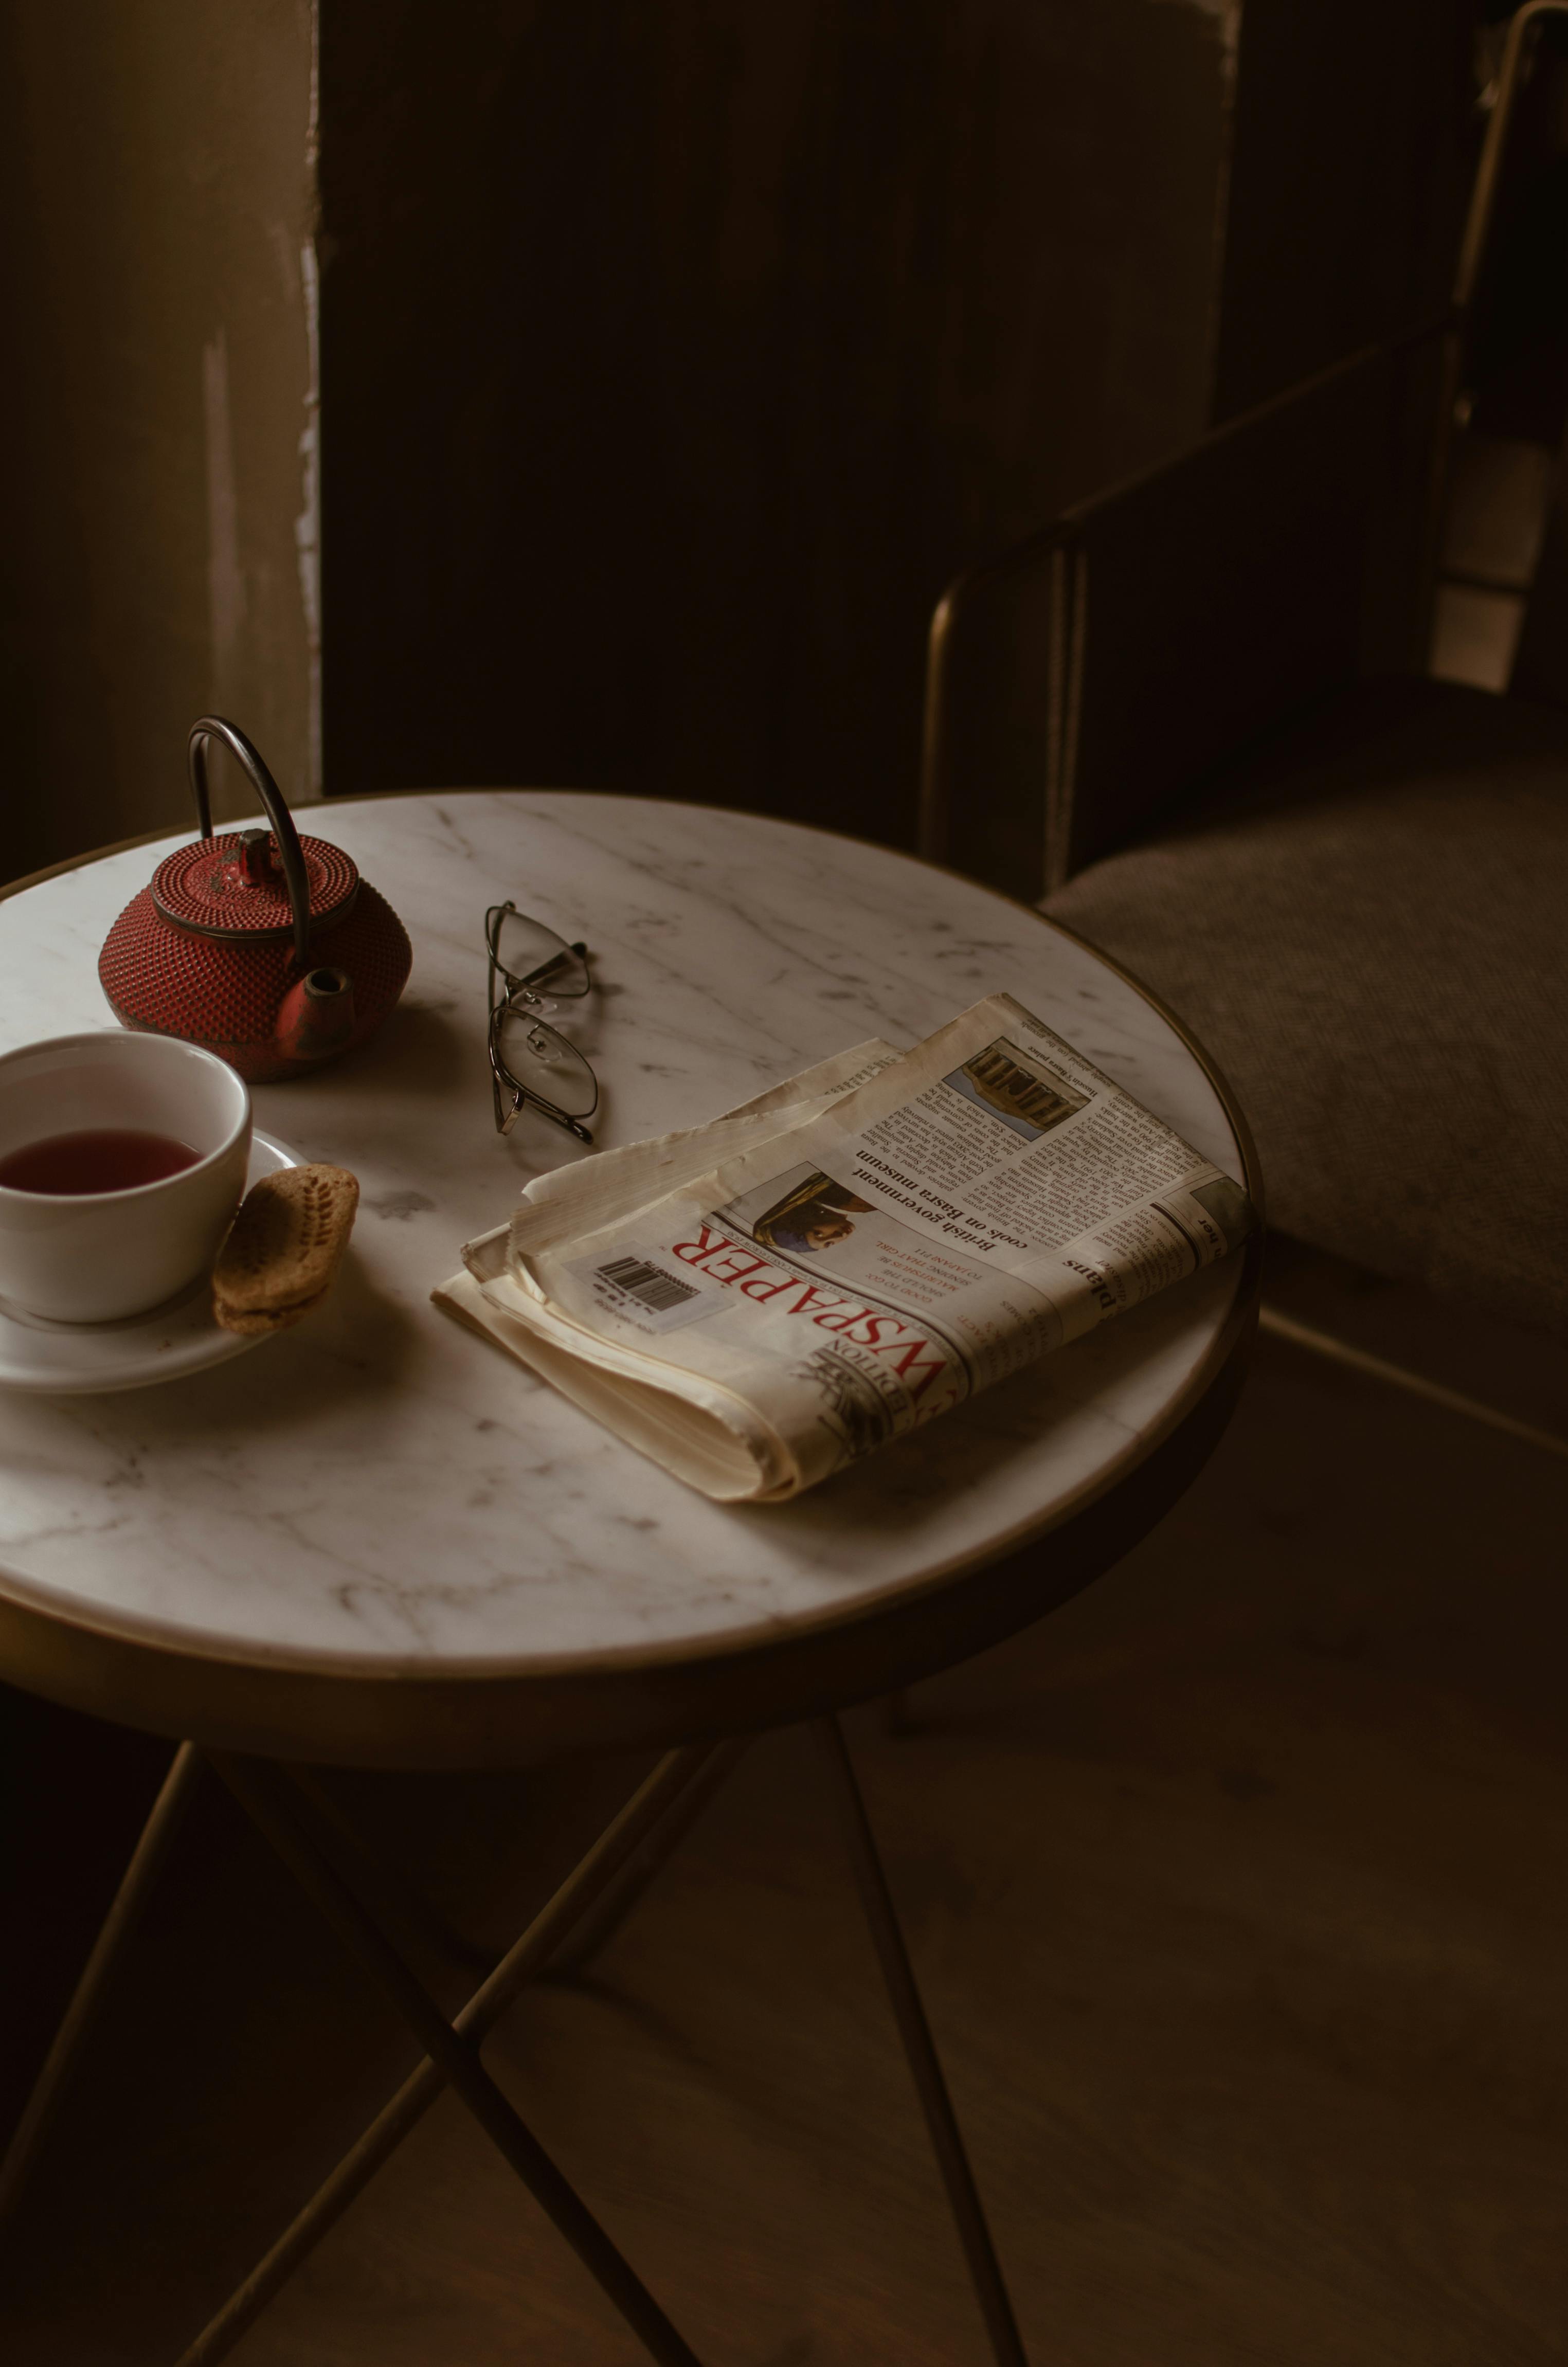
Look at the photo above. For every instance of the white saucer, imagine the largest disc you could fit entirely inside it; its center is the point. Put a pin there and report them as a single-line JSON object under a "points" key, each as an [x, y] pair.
{"points": [[86, 1359]]}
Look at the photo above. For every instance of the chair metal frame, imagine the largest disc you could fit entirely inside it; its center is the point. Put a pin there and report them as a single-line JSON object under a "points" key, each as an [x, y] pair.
{"points": [[1056, 556]]}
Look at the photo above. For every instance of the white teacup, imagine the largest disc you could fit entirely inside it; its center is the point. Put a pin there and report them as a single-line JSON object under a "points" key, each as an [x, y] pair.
{"points": [[93, 1257]]}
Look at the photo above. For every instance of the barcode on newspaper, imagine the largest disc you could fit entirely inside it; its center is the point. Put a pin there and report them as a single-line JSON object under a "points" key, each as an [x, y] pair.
{"points": [[658, 1291]]}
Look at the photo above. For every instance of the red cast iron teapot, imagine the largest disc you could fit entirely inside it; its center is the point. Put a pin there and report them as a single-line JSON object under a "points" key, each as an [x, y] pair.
{"points": [[266, 948]]}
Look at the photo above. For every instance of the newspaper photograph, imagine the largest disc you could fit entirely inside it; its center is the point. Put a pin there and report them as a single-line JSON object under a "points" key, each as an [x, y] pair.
{"points": [[760, 1302]]}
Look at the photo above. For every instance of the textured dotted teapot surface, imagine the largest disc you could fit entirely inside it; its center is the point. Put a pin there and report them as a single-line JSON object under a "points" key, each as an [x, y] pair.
{"points": [[168, 980], [210, 886]]}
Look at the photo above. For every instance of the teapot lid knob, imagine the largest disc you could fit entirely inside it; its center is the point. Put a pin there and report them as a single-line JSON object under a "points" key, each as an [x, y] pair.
{"points": [[251, 884], [217, 727], [256, 856]]}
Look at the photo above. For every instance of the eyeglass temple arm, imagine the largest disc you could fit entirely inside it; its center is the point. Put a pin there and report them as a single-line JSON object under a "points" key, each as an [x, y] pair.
{"points": [[522, 1099], [501, 1077]]}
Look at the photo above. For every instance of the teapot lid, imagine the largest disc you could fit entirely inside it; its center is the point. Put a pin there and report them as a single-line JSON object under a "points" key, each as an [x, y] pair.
{"points": [[233, 887]]}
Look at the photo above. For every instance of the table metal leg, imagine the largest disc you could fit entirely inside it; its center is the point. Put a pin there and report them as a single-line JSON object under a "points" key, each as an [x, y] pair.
{"points": [[63, 2056], [963, 2198], [383, 1884], [595, 1930], [615, 1873], [583, 1887]]}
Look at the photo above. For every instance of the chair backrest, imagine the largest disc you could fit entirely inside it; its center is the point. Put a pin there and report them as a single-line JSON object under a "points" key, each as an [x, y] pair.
{"points": [[1087, 679]]}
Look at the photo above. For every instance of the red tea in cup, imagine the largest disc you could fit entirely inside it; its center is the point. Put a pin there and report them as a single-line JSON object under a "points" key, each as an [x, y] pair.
{"points": [[96, 1159]]}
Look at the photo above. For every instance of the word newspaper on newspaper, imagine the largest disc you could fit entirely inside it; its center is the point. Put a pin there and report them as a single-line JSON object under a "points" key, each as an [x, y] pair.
{"points": [[760, 1302]]}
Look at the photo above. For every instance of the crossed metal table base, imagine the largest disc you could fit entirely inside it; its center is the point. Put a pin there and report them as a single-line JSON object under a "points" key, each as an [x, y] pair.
{"points": [[344, 1878]]}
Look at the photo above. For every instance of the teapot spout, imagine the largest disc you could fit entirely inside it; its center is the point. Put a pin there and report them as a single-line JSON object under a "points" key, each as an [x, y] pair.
{"points": [[317, 1017]]}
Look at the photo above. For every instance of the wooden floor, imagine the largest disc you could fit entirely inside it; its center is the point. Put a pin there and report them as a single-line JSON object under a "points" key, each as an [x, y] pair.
{"points": [[1236, 1890]]}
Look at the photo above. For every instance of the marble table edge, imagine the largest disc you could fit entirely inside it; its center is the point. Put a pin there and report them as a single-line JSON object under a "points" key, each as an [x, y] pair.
{"points": [[183, 1642]]}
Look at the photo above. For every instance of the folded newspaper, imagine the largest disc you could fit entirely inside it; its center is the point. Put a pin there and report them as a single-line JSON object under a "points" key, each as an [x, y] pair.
{"points": [[758, 1302]]}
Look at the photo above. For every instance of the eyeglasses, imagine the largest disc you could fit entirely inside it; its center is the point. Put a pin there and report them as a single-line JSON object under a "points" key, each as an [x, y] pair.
{"points": [[529, 1061]]}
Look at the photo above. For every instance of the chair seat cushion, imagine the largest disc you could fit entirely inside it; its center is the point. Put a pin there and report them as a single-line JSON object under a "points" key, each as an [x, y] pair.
{"points": [[1368, 929]]}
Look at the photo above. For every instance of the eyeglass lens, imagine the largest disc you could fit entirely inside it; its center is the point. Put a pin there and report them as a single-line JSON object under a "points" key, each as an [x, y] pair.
{"points": [[542, 1062], [524, 948]]}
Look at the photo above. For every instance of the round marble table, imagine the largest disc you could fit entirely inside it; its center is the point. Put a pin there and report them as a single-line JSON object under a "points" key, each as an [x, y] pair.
{"points": [[377, 1539]]}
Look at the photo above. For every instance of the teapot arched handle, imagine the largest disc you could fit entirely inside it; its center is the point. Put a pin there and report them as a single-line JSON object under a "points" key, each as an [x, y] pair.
{"points": [[215, 727]]}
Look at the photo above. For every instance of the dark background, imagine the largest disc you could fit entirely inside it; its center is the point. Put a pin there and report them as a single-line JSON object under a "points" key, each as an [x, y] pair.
{"points": [[676, 358], [672, 355], [658, 414]]}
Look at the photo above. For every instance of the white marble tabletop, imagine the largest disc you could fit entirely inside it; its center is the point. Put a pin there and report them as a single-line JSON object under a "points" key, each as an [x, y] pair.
{"points": [[379, 1485]]}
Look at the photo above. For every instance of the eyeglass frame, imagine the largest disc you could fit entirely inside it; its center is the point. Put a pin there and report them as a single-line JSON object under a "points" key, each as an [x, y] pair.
{"points": [[519, 994]]}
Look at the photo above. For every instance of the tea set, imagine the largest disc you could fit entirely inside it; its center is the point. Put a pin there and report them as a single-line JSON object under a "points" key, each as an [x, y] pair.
{"points": [[250, 957]]}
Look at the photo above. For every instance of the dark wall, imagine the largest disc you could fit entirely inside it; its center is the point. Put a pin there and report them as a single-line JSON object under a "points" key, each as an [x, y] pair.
{"points": [[155, 226], [674, 356], [1356, 137], [1517, 360], [677, 353]]}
